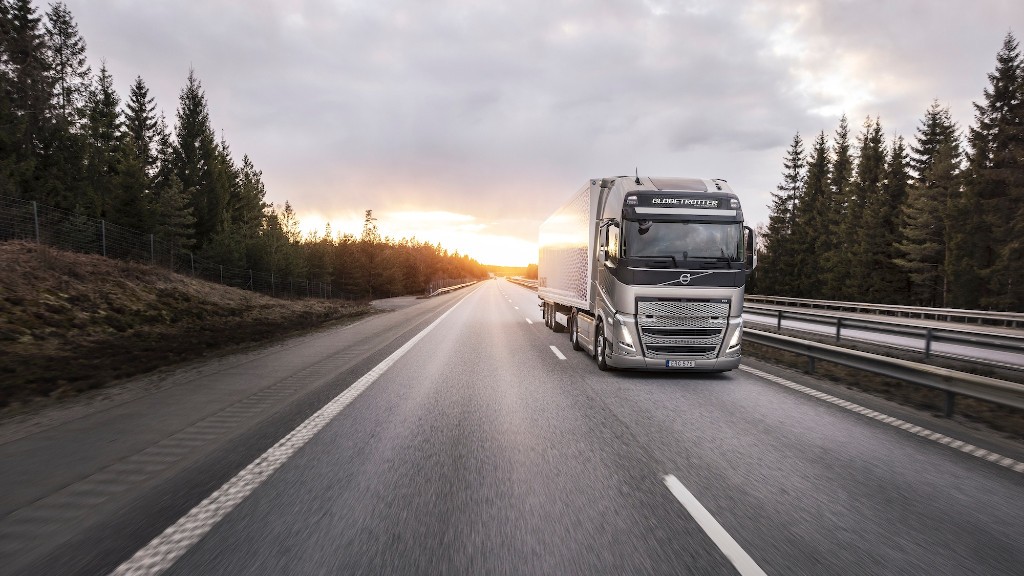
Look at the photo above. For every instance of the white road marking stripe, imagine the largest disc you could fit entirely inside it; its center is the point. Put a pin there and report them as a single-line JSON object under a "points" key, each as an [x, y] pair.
{"points": [[528, 321], [744, 564], [558, 353], [516, 307], [164, 550], [896, 422]]}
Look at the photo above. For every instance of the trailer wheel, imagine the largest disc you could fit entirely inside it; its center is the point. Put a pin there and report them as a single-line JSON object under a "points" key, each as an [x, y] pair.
{"points": [[574, 325], [601, 350], [547, 315]]}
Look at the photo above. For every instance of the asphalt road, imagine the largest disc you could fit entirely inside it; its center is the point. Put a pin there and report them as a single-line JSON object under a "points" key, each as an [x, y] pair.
{"points": [[488, 446]]}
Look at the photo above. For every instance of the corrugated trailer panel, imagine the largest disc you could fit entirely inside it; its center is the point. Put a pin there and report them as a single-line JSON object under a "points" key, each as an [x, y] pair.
{"points": [[566, 243]]}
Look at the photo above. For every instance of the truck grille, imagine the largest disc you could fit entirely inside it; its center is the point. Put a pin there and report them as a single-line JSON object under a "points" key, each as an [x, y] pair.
{"points": [[688, 329]]}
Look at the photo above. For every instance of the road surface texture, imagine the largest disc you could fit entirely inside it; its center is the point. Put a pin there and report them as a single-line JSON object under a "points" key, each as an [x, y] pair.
{"points": [[459, 436]]}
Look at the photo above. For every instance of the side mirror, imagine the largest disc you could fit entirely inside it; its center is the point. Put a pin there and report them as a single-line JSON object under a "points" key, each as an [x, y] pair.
{"points": [[750, 240]]}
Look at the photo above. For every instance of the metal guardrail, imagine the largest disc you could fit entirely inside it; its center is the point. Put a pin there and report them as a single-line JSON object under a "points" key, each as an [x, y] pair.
{"points": [[526, 282], [891, 325], [951, 382], [448, 289], [1009, 319]]}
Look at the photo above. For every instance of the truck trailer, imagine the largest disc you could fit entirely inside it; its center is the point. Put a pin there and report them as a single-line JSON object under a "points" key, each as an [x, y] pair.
{"points": [[648, 273]]}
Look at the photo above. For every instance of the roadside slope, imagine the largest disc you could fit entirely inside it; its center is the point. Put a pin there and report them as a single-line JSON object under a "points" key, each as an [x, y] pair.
{"points": [[71, 322]]}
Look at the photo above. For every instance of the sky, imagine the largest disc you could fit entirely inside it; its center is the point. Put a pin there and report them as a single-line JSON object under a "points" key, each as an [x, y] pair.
{"points": [[469, 123]]}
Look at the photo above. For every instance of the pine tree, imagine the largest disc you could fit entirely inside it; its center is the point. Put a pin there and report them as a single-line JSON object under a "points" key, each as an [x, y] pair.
{"points": [[887, 282], [928, 224], [996, 183], [103, 126], [27, 99], [862, 226], [195, 161], [68, 68], [835, 269], [812, 217], [140, 126], [175, 223], [779, 272]]}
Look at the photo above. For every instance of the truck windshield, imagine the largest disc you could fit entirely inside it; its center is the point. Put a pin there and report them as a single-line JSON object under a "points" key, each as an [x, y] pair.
{"points": [[682, 241]]}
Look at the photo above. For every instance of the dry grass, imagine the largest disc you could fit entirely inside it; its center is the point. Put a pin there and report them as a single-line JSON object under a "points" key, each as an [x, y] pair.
{"points": [[71, 322]]}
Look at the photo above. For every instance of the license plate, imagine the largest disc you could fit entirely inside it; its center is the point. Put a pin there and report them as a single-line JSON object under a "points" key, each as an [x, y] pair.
{"points": [[680, 363]]}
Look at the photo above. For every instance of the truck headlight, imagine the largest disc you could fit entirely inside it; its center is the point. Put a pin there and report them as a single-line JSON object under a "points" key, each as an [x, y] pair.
{"points": [[626, 339], [737, 338]]}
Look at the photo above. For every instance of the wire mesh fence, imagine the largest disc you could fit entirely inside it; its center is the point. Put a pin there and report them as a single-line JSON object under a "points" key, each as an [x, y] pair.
{"points": [[29, 221]]}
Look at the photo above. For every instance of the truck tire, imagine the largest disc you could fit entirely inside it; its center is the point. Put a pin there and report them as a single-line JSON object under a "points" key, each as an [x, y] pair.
{"points": [[574, 326], [601, 350], [547, 315]]}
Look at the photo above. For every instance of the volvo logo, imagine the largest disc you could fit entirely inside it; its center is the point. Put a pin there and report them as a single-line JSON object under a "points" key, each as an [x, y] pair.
{"points": [[684, 279]]}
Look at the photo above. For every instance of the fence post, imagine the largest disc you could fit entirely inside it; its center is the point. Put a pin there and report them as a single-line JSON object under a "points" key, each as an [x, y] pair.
{"points": [[221, 273], [252, 287], [103, 236], [35, 216], [272, 284], [152, 251], [193, 260]]}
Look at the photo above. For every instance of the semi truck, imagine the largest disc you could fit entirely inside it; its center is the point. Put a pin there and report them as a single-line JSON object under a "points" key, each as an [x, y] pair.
{"points": [[648, 273]]}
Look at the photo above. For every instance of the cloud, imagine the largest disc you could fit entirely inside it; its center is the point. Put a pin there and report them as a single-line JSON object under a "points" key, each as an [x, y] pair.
{"points": [[500, 110]]}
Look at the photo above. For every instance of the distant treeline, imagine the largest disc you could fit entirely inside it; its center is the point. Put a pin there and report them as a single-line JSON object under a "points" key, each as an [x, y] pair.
{"points": [[68, 140], [938, 224]]}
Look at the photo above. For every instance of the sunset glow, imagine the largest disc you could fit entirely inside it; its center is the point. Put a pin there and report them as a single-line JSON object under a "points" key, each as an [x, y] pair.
{"points": [[463, 233]]}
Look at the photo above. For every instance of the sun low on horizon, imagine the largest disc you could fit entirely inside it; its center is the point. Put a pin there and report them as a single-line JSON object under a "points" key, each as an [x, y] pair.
{"points": [[462, 233]]}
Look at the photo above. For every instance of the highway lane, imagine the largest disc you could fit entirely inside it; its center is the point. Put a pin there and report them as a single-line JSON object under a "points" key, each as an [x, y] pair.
{"points": [[481, 450], [1000, 356]]}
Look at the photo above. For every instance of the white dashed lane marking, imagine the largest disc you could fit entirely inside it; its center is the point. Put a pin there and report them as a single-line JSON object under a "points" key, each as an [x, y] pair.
{"points": [[971, 449], [558, 353], [743, 563]]}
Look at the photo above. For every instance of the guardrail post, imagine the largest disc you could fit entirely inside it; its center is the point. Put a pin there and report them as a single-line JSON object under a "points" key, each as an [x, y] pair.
{"points": [[928, 343], [839, 327], [778, 326], [950, 402], [152, 251], [193, 259], [103, 236], [35, 217], [810, 364]]}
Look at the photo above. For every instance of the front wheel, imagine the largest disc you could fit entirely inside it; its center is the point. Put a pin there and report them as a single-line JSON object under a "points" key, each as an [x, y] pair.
{"points": [[601, 350]]}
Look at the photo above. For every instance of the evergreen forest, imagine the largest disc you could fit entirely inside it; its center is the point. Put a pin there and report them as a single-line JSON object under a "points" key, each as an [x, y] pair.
{"points": [[936, 222], [69, 140]]}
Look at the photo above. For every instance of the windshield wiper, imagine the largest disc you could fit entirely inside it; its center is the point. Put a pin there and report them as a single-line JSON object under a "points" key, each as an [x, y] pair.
{"points": [[668, 257]]}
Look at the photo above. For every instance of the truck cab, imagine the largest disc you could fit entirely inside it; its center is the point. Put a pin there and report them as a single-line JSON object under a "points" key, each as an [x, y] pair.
{"points": [[666, 264]]}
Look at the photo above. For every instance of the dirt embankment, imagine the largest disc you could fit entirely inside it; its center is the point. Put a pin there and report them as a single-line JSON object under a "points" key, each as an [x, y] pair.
{"points": [[71, 322]]}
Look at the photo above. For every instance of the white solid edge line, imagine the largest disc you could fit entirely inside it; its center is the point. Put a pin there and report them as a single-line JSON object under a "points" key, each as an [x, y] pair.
{"points": [[960, 445], [528, 321], [164, 550], [558, 353], [744, 564]]}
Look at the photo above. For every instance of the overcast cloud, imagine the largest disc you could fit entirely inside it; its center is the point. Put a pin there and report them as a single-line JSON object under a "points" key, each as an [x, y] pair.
{"points": [[500, 110]]}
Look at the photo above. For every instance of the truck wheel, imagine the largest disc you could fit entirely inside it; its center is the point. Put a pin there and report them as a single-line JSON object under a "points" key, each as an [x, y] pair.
{"points": [[601, 350], [574, 325], [547, 315]]}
